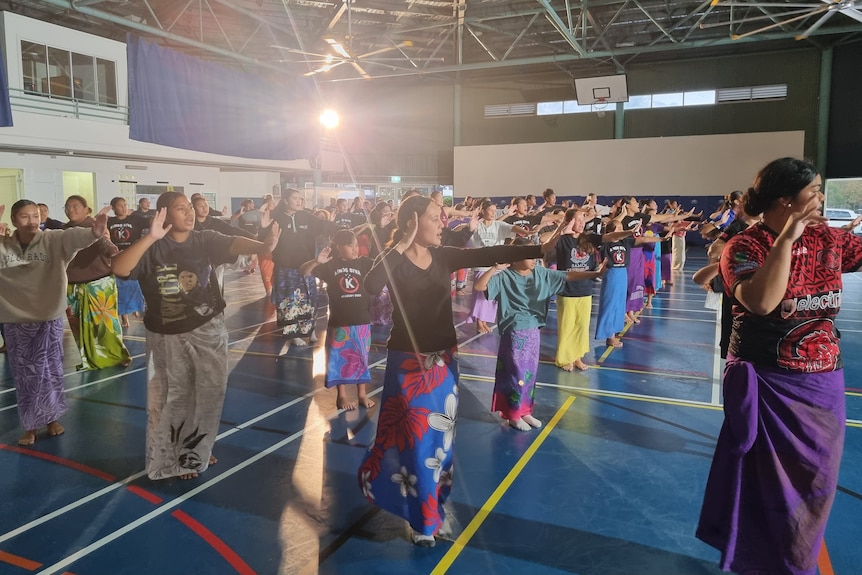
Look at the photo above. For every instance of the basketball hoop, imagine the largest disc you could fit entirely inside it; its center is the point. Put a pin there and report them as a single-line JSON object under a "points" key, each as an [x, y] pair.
{"points": [[600, 105]]}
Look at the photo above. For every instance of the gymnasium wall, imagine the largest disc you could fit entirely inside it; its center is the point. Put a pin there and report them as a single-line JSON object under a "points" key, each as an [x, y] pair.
{"points": [[687, 166]]}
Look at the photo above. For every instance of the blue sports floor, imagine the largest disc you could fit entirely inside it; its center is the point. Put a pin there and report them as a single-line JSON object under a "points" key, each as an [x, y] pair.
{"points": [[610, 485]]}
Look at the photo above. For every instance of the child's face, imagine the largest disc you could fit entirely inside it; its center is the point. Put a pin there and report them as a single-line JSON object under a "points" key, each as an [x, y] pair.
{"points": [[348, 252], [181, 215], [188, 281]]}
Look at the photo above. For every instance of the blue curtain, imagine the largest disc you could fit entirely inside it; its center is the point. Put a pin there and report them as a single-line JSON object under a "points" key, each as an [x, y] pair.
{"points": [[185, 102], [5, 107]]}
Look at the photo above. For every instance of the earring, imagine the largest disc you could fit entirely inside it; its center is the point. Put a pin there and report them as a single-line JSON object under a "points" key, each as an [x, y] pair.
{"points": [[788, 205]]}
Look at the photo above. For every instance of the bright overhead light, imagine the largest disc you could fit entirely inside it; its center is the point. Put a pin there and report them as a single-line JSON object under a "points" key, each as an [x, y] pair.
{"points": [[329, 119]]}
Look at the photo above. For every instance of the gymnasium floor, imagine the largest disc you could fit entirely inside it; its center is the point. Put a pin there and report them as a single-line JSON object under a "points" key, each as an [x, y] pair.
{"points": [[610, 485]]}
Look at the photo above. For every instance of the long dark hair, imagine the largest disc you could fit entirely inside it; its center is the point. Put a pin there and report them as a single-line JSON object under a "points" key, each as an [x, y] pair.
{"points": [[412, 205], [781, 178], [166, 199]]}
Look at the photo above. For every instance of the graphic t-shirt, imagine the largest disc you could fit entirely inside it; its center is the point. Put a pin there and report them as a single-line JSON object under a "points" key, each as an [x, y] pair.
{"points": [[127, 231], [345, 280], [526, 221], [799, 334], [593, 226], [347, 220], [579, 254], [179, 283], [630, 223], [617, 253]]}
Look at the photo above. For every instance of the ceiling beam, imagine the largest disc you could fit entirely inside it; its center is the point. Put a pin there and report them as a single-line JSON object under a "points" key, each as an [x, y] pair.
{"points": [[560, 26], [634, 50]]}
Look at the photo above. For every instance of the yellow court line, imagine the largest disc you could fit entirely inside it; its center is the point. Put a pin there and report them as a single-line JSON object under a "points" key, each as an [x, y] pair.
{"points": [[622, 333], [462, 540], [853, 393]]}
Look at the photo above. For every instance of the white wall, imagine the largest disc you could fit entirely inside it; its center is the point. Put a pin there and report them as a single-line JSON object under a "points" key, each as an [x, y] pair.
{"points": [[643, 167]]}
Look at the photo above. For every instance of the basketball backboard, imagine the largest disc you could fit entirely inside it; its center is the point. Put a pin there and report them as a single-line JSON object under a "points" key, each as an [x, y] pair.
{"points": [[601, 89]]}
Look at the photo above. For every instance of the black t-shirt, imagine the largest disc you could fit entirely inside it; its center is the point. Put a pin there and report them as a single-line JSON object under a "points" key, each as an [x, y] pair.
{"points": [[299, 241], [526, 221], [578, 254], [127, 231], [593, 226], [617, 253], [630, 223], [179, 283], [347, 220], [348, 300]]}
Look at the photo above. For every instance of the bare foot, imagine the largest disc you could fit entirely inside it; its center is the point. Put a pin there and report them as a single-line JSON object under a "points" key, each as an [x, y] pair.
{"points": [[581, 365], [482, 327], [124, 321], [29, 438], [567, 367], [55, 429], [344, 404], [614, 342], [520, 424], [213, 460], [532, 421], [188, 475], [366, 403]]}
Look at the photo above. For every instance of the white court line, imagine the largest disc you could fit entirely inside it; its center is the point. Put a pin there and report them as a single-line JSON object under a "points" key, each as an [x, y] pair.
{"points": [[88, 384], [229, 432]]}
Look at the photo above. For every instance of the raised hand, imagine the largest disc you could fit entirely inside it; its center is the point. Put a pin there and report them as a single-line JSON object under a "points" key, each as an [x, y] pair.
{"points": [[100, 227], [224, 211], [324, 256], [474, 221], [2, 210], [265, 215], [272, 239], [157, 226], [808, 215]]}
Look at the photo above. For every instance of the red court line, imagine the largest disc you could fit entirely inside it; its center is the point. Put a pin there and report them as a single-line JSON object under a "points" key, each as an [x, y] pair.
{"points": [[229, 554], [19, 561], [823, 561], [65, 462], [196, 527]]}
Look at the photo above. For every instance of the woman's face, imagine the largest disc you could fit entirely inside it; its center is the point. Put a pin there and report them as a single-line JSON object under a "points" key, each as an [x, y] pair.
{"points": [[76, 211], [430, 230], [294, 203], [201, 208], [805, 195], [181, 215], [348, 252], [489, 213]]}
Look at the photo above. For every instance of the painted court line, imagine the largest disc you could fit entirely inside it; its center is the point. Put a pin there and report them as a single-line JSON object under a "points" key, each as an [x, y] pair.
{"points": [[465, 536]]}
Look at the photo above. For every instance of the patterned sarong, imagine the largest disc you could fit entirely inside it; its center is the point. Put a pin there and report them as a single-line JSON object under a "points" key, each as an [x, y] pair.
{"points": [[408, 471], [35, 352], [347, 354], [515, 377], [129, 297], [186, 383], [610, 318], [775, 469], [95, 323], [295, 298]]}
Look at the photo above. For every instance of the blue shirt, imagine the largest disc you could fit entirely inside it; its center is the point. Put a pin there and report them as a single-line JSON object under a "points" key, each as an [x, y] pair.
{"points": [[523, 300]]}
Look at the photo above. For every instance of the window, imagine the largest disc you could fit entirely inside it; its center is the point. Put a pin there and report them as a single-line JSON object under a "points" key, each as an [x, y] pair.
{"points": [[549, 108], [106, 80], [701, 98], [572, 107], [58, 73], [638, 102], [83, 77], [667, 100]]}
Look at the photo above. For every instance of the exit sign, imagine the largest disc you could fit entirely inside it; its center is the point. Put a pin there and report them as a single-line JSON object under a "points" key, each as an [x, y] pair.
{"points": [[395, 179]]}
